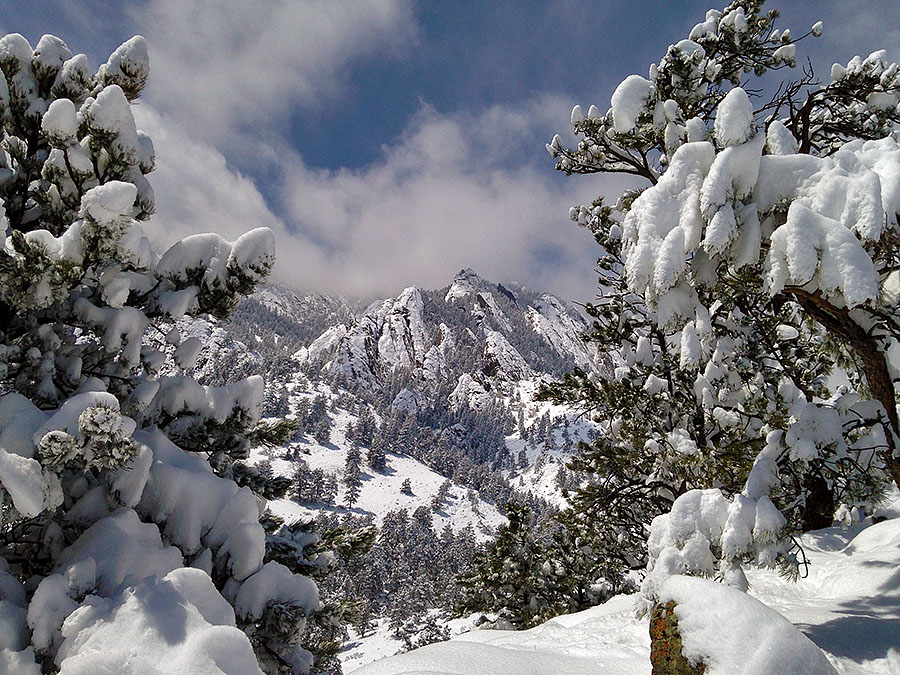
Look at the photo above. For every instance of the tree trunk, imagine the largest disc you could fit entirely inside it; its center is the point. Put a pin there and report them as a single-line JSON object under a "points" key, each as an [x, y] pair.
{"points": [[838, 322]]}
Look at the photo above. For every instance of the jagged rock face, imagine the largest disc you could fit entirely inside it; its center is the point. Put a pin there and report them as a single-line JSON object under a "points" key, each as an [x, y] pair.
{"points": [[404, 334], [469, 392], [390, 334], [407, 400], [326, 343], [502, 361], [495, 335], [550, 318], [465, 283], [474, 338]]}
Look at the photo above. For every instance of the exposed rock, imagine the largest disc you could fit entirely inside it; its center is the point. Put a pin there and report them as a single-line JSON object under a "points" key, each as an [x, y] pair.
{"points": [[665, 644]]}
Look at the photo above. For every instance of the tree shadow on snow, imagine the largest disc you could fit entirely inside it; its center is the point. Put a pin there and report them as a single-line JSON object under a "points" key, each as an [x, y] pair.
{"points": [[164, 610], [868, 629], [856, 637]]}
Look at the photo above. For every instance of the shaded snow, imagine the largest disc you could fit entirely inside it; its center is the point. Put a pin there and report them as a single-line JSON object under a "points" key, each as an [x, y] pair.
{"points": [[848, 604]]}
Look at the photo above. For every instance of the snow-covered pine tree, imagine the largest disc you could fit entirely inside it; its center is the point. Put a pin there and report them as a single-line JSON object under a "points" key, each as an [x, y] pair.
{"points": [[510, 578], [758, 261], [321, 432], [352, 475], [440, 497], [304, 550], [119, 504], [376, 455], [365, 427]]}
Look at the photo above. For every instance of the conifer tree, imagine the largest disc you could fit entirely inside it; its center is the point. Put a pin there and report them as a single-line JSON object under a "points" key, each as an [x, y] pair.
{"points": [[322, 430], [440, 497], [352, 475], [508, 578], [757, 261], [376, 456], [112, 477]]}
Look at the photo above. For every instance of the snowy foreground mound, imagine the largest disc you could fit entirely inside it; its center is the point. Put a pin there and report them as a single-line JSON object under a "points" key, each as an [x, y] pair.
{"points": [[848, 605]]}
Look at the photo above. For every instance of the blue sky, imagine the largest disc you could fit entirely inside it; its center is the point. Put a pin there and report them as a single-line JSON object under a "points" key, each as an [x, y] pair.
{"points": [[391, 143]]}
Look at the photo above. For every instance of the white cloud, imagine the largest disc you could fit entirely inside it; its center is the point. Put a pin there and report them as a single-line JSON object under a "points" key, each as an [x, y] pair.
{"points": [[195, 189], [468, 190], [440, 199], [226, 67]]}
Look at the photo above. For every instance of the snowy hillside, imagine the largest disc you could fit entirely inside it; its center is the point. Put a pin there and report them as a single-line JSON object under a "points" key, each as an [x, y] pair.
{"points": [[465, 360], [848, 604], [380, 491], [414, 412]]}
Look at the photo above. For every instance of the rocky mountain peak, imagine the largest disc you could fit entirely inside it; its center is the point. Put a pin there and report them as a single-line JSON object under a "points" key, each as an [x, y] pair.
{"points": [[465, 283]]}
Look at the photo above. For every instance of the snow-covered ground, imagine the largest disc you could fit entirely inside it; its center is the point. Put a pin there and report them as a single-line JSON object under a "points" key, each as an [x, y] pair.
{"points": [[380, 492], [543, 461], [848, 604]]}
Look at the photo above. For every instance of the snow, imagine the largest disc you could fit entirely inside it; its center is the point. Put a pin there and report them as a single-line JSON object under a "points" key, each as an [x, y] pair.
{"points": [[108, 203], [110, 113], [50, 52], [809, 242], [732, 176], [577, 115], [130, 57], [274, 582], [74, 71], [66, 417], [883, 158], [779, 139], [322, 345], [49, 607], [181, 615], [15, 46], [734, 118], [847, 606], [225, 520], [31, 489], [605, 639], [403, 333], [19, 662], [136, 547], [786, 53], [255, 250], [187, 352], [176, 393], [211, 258], [59, 121], [690, 348], [672, 205], [628, 100], [733, 632]]}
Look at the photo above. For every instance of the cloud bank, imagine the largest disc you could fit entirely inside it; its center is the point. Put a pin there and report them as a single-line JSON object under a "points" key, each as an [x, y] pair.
{"points": [[233, 83]]}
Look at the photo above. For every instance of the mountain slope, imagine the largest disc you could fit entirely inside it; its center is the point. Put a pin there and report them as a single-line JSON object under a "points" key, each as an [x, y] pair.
{"points": [[416, 414]]}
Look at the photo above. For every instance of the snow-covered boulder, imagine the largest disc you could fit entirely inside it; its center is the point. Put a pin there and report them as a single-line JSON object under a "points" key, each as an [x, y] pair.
{"points": [[731, 632]]}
